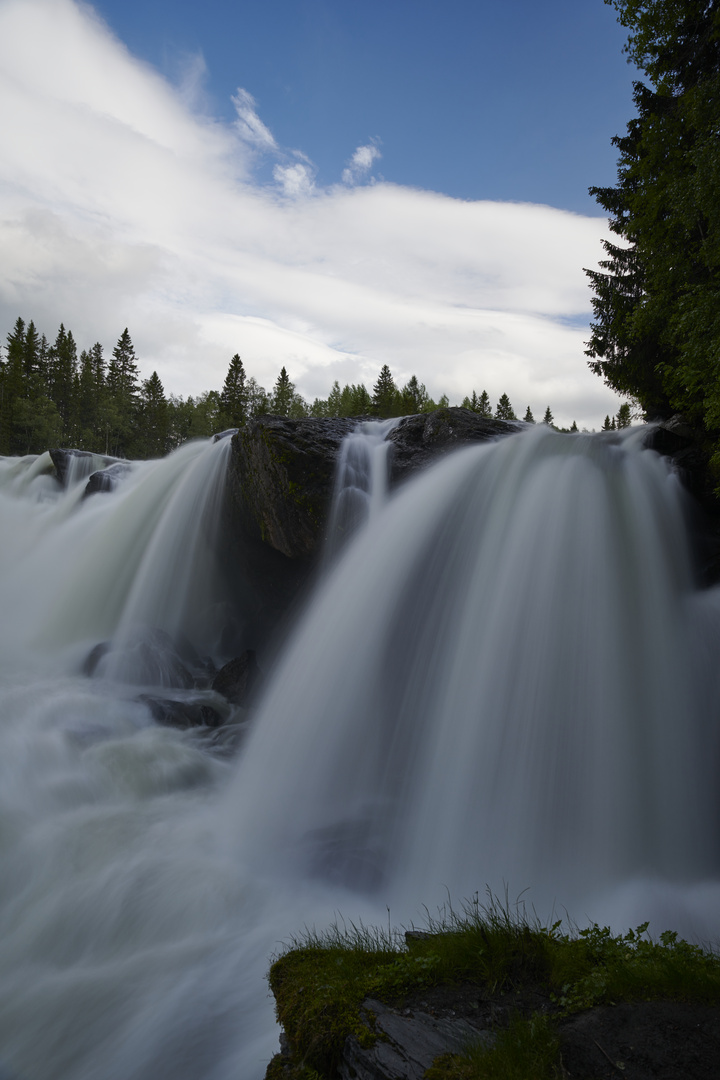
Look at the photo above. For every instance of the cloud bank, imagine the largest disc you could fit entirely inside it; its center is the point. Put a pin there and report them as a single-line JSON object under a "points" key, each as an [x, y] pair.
{"points": [[122, 204]]}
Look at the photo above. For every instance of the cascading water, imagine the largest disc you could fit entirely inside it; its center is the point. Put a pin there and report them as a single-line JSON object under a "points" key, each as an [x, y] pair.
{"points": [[507, 677], [361, 481]]}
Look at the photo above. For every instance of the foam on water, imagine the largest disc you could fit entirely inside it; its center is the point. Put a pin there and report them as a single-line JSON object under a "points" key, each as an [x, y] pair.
{"points": [[507, 677]]}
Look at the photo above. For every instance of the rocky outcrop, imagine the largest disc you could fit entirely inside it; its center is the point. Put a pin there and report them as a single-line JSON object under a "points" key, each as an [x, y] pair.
{"points": [[676, 440], [281, 474], [280, 480], [106, 479], [410, 1041], [75, 464], [279, 489], [420, 440]]}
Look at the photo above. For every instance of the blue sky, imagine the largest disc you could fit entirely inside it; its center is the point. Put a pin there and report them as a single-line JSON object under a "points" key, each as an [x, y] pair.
{"points": [[319, 185], [480, 100]]}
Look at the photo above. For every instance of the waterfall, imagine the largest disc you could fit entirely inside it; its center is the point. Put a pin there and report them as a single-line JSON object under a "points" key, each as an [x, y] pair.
{"points": [[506, 677], [361, 481], [498, 681]]}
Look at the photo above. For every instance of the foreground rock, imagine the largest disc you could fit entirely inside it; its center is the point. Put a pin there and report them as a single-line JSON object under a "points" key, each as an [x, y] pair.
{"points": [[410, 1042], [645, 1040]]}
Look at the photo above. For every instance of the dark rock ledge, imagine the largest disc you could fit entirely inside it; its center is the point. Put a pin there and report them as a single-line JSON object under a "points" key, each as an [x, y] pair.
{"points": [[645, 1040]]}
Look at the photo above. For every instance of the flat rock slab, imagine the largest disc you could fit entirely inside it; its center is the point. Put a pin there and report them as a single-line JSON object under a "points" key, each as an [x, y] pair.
{"points": [[413, 1039]]}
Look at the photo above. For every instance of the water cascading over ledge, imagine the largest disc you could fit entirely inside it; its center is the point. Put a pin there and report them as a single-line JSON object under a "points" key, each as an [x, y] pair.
{"points": [[501, 682], [507, 677]]}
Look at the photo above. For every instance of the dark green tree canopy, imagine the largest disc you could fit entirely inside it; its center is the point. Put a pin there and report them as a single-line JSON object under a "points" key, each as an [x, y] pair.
{"points": [[385, 394], [233, 398], [283, 394], [504, 410], [656, 333]]}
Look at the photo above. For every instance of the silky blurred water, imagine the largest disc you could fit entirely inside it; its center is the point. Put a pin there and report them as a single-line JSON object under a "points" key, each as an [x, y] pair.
{"points": [[507, 679]]}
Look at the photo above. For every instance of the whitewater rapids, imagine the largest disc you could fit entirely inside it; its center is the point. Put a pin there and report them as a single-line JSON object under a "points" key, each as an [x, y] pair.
{"points": [[508, 677]]}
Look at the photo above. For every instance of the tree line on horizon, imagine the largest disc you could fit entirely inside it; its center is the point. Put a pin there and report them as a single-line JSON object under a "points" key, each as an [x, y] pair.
{"points": [[52, 396]]}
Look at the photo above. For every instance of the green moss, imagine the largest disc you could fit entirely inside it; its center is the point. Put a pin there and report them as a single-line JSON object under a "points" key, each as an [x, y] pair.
{"points": [[528, 1049], [320, 982]]}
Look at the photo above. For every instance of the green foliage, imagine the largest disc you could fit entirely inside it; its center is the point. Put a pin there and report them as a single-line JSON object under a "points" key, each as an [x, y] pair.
{"points": [[385, 394], [528, 1049], [320, 982], [50, 396], [153, 439], [234, 396], [528, 417], [413, 397], [656, 334], [283, 394], [504, 410]]}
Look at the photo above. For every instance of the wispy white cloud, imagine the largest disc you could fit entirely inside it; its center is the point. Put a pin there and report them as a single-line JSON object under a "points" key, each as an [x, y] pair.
{"points": [[123, 205], [361, 163], [249, 124]]}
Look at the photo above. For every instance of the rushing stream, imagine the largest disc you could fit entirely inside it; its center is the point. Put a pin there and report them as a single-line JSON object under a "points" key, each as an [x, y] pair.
{"points": [[506, 678]]}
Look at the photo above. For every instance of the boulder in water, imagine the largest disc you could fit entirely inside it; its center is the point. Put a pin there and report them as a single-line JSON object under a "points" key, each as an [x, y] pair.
{"points": [[106, 479], [421, 439], [237, 679], [171, 712], [280, 480], [70, 462]]}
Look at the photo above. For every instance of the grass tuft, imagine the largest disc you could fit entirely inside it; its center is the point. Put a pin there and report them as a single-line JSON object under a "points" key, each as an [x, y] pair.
{"points": [[321, 980]]}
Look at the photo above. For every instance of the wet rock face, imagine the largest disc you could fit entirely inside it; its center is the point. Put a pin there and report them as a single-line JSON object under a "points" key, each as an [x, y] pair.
{"points": [[410, 1041], [279, 489], [420, 440], [83, 461], [238, 678], [281, 475], [106, 479], [280, 480]]}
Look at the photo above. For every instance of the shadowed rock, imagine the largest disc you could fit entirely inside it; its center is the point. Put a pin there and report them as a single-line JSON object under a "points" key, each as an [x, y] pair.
{"points": [[106, 479], [237, 679]]}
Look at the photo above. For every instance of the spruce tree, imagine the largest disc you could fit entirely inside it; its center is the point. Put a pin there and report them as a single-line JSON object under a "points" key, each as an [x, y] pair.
{"points": [[483, 405], [154, 419], [504, 410], [413, 397], [122, 383], [385, 394], [283, 394], [548, 417], [656, 332], [12, 391], [624, 417], [529, 418], [62, 376], [233, 397]]}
